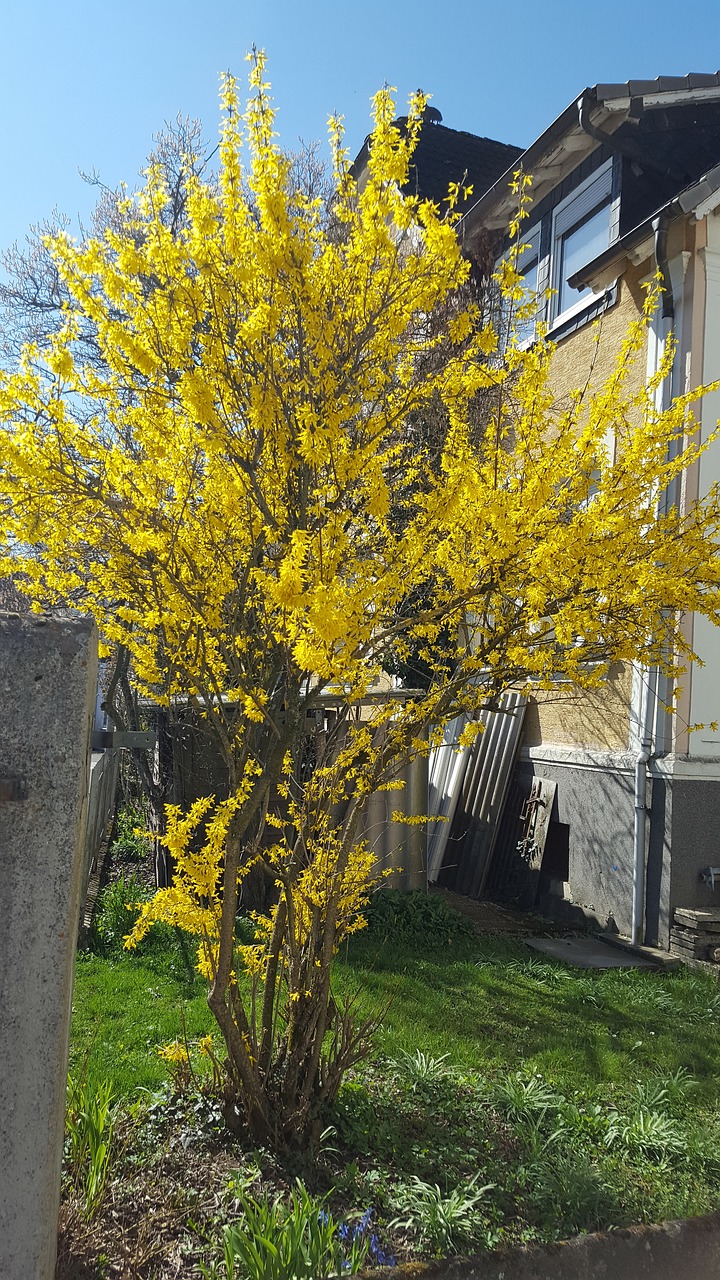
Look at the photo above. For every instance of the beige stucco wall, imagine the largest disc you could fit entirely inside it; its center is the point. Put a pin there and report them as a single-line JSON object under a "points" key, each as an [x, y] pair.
{"points": [[595, 346], [572, 717], [598, 718]]}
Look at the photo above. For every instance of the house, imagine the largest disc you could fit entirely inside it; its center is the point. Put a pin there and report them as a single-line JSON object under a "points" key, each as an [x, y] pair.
{"points": [[626, 183]]}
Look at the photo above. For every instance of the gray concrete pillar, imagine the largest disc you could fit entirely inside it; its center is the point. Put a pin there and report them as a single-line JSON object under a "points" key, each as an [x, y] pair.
{"points": [[48, 676]]}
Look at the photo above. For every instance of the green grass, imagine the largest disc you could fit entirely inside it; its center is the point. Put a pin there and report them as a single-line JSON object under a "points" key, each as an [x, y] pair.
{"points": [[579, 1100], [491, 1002], [124, 1008], [486, 1003]]}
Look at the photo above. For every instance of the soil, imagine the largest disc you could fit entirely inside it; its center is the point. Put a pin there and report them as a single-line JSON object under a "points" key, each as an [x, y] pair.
{"points": [[490, 917]]}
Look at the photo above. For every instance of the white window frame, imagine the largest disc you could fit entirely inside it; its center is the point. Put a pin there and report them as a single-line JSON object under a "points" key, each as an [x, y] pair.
{"points": [[584, 200], [532, 254], [532, 239]]}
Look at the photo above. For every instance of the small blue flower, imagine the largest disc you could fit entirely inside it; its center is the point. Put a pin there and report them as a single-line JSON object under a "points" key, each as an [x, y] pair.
{"points": [[366, 1219]]}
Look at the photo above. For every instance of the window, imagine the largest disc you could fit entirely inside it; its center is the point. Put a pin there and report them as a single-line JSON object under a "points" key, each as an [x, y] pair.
{"points": [[567, 237], [581, 229], [529, 267]]}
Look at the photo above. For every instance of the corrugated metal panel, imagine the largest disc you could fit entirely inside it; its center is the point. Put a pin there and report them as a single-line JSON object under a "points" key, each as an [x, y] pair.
{"points": [[400, 848], [481, 792], [446, 771]]}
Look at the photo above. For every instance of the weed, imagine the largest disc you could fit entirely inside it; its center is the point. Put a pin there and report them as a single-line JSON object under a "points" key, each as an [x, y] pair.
{"points": [[117, 909], [570, 1193], [89, 1131], [524, 1098], [649, 1132], [423, 1068], [418, 918], [130, 843], [541, 971], [444, 1223]]}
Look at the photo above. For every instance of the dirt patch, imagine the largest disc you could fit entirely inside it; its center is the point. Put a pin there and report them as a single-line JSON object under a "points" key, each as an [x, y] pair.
{"points": [[489, 917]]}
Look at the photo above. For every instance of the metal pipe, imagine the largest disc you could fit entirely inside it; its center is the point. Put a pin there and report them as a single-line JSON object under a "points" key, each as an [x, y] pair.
{"points": [[623, 146], [642, 809], [660, 227]]}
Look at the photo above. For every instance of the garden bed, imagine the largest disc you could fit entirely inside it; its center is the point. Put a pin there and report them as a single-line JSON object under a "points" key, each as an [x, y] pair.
{"points": [[511, 1100]]}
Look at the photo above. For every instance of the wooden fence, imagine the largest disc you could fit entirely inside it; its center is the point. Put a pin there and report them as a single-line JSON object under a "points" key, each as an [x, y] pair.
{"points": [[101, 807]]}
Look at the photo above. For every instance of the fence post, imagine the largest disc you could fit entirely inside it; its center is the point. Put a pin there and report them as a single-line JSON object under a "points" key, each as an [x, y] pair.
{"points": [[48, 677]]}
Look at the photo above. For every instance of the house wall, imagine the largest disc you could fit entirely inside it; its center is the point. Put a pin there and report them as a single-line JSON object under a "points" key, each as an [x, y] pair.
{"points": [[705, 681], [596, 718], [585, 741], [596, 801], [594, 347], [600, 718]]}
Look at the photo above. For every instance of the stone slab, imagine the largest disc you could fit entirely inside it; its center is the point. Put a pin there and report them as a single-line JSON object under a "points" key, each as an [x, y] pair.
{"points": [[48, 680], [588, 953], [697, 919]]}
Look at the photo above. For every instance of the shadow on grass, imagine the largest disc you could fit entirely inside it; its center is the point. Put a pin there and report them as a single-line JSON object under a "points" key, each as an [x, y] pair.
{"points": [[490, 1003]]}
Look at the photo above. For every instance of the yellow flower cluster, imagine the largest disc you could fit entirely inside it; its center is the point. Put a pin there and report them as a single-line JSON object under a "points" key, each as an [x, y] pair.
{"points": [[300, 456]]}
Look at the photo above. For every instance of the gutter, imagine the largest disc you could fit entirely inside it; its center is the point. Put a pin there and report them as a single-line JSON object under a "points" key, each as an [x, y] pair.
{"points": [[620, 146]]}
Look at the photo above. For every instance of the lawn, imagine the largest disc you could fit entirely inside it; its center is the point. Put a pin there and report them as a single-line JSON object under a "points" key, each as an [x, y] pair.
{"points": [[509, 1098]]}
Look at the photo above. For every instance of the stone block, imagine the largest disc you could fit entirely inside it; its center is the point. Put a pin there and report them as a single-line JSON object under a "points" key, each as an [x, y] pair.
{"points": [[48, 678]]}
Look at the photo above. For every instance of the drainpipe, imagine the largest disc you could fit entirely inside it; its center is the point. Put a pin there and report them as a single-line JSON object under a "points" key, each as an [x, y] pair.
{"points": [[660, 227], [642, 809], [623, 147]]}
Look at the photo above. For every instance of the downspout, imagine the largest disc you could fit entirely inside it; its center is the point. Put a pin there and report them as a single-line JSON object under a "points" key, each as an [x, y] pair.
{"points": [[642, 809]]}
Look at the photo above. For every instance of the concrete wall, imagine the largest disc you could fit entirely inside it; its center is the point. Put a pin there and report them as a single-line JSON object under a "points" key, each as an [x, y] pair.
{"points": [[687, 810], [48, 676], [597, 804], [688, 1250], [596, 801]]}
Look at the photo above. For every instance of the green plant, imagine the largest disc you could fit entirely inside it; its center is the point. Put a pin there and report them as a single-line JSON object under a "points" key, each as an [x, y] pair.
{"points": [[423, 1068], [523, 1098], [295, 1241], [417, 918], [541, 971], [442, 1222], [89, 1132], [649, 1132], [130, 843], [117, 909], [570, 1193]]}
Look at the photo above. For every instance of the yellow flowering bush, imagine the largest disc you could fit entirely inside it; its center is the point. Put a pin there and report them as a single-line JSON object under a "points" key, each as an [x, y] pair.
{"points": [[239, 488]]}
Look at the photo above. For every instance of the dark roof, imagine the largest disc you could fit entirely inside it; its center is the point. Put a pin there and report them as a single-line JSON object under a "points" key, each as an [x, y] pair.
{"points": [[667, 125], [447, 155], [662, 84]]}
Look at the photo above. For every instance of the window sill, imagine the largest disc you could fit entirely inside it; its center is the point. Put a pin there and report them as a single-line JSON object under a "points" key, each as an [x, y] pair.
{"points": [[577, 317]]}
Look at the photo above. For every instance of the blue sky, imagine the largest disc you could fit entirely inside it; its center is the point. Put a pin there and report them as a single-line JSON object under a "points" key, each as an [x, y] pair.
{"points": [[85, 85]]}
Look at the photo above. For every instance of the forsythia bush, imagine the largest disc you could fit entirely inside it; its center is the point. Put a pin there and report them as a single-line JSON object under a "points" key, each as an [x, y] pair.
{"points": [[237, 489]]}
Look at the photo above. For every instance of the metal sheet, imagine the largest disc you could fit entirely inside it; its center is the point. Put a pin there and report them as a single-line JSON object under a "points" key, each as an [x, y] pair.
{"points": [[446, 771], [475, 794]]}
